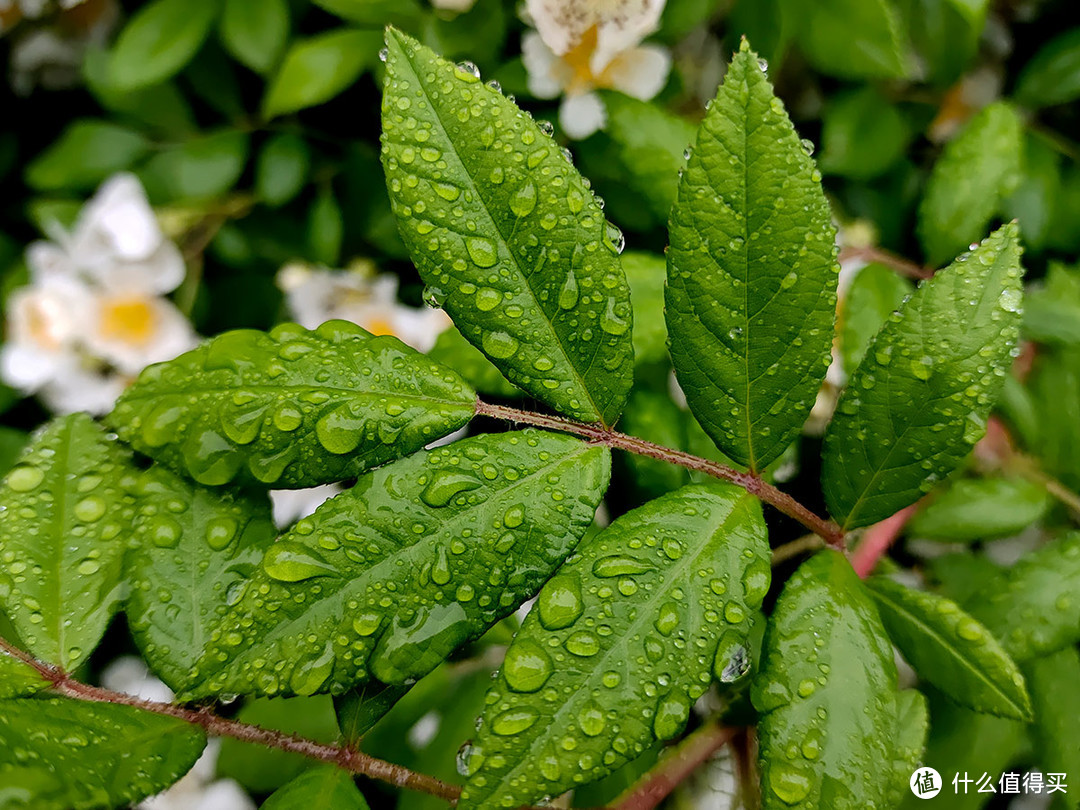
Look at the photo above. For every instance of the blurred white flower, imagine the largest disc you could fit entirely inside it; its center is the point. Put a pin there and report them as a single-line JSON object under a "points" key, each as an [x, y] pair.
{"points": [[291, 505], [580, 46], [93, 315], [459, 6], [315, 295]]}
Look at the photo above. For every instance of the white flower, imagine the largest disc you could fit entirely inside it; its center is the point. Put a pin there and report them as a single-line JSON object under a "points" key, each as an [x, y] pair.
{"points": [[316, 295], [291, 505], [457, 6], [93, 315], [584, 45], [51, 56]]}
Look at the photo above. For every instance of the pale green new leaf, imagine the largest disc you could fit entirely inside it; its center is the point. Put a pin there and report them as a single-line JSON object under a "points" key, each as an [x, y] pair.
{"points": [[968, 183], [919, 400], [64, 754], [826, 694], [255, 31], [324, 788], [620, 644], [1053, 682], [317, 69], [159, 40], [978, 509], [1032, 607], [951, 650], [292, 407], [17, 678], [751, 272], [64, 526], [506, 234], [195, 548], [852, 39], [388, 578]]}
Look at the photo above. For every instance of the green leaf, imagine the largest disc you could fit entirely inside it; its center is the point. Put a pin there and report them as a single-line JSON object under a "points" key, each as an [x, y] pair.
{"points": [[1034, 200], [291, 408], [1052, 76], [926, 386], [377, 13], [968, 183], [826, 693], [852, 39], [1032, 607], [378, 582], [255, 31], [977, 509], [261, 769], [205, 167], [62, 539], [73, 755], [649, 145], [363, 706], [85, 154], [506, 234], [951, 650], [1052, 309], [875, 293], [317, 69], [863, 134], [18, 679], [945, 39], [324, 788], [282, 169], [12, 442], [194, 548], [159, 40], [326, 229], [1053, 683], [645, 273], [453, 350], [751, 272], [1055, 388], [912, 725], [620, 644]]}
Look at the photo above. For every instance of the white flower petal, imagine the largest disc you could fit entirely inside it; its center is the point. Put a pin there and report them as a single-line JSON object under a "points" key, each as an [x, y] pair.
{"points": [[27, 369], [620, 24], [79, 389], [49, 261], [582, 115], [131, 332], [419, 328], [460, 6], [640, 72], [291, 505], [541, 65], [120, 217]]}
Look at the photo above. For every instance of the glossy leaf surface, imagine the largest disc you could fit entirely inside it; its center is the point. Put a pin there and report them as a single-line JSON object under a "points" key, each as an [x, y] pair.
{"points": [[919, 400], [18, 679], [826, 693], [1053, 681], [324, 788], [63, 754], [388, 578], [506, 234], [978, 509], [315, 70], [951, 650], [62, 539], [290, 407], [912, 725], [751, 272], [159, 40], [621, 642]]}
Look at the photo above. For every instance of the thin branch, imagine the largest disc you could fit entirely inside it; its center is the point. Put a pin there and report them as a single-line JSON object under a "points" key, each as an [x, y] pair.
{"points": [[901, 265], [677, 764], [598, 434], [808, 542], [346, 758]]}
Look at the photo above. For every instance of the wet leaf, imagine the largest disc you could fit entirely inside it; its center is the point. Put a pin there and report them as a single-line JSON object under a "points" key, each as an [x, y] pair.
{"points": [[912, 725], [826, 693], [195, 548], [159, 40], [292, 408], [751, 272], [621, 642], [388, 578], [951, 650], [327, 787], [976, 509], [506, 234], [1053, 683], [62, 539], [875, 293], [61, 754], [925, 388], [1032, 608], [968, 183], [453, 350], [18, 679]]}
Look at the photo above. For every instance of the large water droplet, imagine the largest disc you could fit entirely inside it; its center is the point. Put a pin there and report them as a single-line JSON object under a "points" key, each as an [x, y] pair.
{"points": [[791, 784], [481, 250], [445, 484], [672, 712], [287, 561], [523, 201], [25, 479], [560, 602], [527, 666], [499, 344], [620, 565], [514, 721], [568, 295]]}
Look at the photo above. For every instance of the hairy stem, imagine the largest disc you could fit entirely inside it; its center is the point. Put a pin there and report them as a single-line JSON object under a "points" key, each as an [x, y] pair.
{"points": [[901, 265], [348, 759], [677, 764], [598, 434]]}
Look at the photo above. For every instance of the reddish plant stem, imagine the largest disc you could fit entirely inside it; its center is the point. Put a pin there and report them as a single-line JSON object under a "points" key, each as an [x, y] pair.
{"points": [[675, 766], [346, 758], [877, 540], [598, 434], [901, 265]]}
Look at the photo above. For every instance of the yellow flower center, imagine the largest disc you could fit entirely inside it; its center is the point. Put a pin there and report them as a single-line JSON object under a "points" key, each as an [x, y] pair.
{"points": [[380, 326], [128, 320], [578, 59]]}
